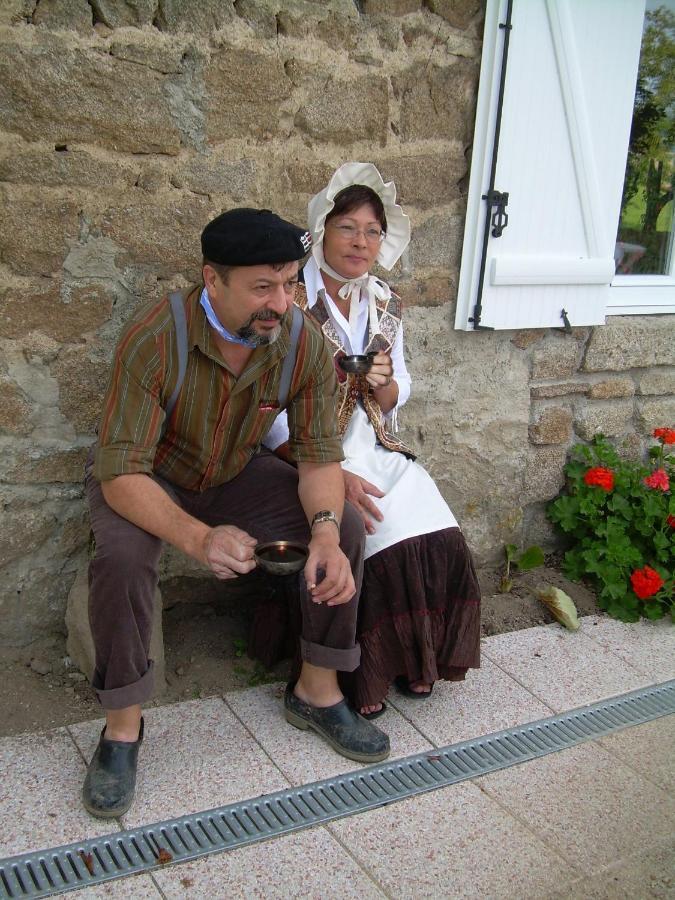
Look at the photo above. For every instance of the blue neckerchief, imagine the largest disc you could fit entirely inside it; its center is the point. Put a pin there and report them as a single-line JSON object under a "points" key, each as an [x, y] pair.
{"points": [[216, 324]]}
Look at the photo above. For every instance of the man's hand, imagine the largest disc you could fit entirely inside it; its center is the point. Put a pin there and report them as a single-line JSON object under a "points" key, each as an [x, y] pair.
{"points": [[357, 490], [228, 551], [325, 556]]}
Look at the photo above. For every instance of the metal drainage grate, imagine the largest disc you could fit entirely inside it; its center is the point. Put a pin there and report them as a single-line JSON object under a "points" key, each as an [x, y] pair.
{"points": [[60, 869]]}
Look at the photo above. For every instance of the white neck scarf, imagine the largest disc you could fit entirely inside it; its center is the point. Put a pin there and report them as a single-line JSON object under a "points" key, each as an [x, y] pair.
{"points": [[366, 286]]}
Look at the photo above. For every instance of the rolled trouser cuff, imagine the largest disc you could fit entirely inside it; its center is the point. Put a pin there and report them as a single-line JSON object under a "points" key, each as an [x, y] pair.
{"points": [[329, 657], [129, 695]]}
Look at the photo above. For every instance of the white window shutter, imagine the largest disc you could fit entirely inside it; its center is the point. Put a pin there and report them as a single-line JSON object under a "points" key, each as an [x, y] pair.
{"points": [[566, 117]]}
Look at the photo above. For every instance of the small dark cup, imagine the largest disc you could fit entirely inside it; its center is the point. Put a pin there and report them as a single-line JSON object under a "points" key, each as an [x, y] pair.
{"points": [[281, 557], [358, 364]]}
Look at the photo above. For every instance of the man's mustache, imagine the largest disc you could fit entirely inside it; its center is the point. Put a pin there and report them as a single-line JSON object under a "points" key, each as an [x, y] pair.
{"points": [[248, 333], [267, 314]]}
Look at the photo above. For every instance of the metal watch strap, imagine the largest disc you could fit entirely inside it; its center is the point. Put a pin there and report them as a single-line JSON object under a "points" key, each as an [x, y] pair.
{"points": [[325, 515]]}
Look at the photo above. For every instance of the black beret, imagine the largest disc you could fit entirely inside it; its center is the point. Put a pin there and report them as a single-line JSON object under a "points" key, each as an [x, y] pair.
{"points": [[253, 237]]}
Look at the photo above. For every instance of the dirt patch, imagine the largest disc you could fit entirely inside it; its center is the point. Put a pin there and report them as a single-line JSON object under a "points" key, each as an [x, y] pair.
{"points": [[520, 608], [205, 641]]}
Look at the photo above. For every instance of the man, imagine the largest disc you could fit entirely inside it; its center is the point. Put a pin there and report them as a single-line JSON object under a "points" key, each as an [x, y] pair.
{"points": [[198, 479]]}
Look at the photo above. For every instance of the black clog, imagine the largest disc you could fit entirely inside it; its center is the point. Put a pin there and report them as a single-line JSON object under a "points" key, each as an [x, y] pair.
{"points": [[341, 726], [111, 777]]}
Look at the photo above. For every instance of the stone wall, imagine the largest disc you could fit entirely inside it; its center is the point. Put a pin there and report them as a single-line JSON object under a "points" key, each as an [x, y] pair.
{"points": [[494, 413], [125, 125]]}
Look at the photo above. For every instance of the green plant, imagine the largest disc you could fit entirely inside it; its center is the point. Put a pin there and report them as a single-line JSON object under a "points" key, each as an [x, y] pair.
{"points": [[529, 559], [260, 675], [620, 516], [254, 673], [239, 645]]}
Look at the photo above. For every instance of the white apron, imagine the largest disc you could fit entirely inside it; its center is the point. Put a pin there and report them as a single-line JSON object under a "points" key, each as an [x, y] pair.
{"points": [[412, 504]]}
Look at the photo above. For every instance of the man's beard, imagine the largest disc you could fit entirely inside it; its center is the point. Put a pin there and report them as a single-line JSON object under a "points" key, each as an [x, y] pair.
{"points": [[247, 332]]}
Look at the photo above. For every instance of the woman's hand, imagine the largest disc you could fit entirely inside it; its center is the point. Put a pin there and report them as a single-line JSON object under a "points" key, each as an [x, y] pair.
{"points": [[381, 379], [382, 371], [357, 490]]}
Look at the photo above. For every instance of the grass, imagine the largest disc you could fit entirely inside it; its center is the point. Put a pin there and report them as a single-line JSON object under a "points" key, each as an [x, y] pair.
{"points": [[656, 242], [635, 210]]}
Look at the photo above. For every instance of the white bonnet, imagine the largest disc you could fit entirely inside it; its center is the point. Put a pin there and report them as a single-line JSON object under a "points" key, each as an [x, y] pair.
{"points": [[398, 224]]}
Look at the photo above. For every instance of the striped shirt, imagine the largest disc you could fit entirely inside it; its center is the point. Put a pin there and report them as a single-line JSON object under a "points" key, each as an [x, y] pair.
{"points": [[219, 420]]}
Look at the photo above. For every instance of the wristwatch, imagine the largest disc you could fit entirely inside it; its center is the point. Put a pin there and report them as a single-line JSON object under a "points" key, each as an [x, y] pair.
{"points": [[325, 515]]}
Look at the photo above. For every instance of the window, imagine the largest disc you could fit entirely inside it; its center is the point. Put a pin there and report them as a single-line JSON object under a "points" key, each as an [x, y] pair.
{"points": [[579, 216], [644, 252]]}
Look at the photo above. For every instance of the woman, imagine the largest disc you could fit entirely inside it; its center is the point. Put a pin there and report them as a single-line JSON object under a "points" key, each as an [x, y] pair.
{"points": [[419, 613]]}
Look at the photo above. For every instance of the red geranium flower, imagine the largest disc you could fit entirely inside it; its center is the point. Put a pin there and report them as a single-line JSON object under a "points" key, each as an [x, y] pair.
{"points": [[667, 435], [658, 479], [601, 477], [646, 582], [671, 521]]}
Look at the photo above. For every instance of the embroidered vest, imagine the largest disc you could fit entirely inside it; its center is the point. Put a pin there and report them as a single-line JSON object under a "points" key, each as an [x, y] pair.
{"points": [[355, 387]]}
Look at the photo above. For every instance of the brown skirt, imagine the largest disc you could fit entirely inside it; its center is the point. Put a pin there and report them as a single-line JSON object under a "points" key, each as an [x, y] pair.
{"points": [[419, 616]]}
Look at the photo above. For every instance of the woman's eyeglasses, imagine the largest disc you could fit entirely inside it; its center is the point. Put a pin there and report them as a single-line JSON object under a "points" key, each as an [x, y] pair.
{"points": [[349, 232]]}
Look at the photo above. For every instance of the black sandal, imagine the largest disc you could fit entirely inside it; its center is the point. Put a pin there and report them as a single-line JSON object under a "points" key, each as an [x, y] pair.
{"points": [[403, 687], [377, 713]]}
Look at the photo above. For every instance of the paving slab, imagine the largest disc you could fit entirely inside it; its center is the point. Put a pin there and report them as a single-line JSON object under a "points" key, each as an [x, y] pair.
{"points": [[588, 822], [585, 803], [303, 756], [564, 669], [134, 887], [454, 842], [195, 756], [310, 864], [489, 700], [648, 874], [648, 646], [648, 749], [40, 788]]}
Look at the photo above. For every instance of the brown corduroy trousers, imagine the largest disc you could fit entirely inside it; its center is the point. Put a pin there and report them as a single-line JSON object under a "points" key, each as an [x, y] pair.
{"points": [[263, 501]]}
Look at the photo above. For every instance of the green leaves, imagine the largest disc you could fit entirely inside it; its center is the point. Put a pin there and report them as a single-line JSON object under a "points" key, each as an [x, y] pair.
{"points": [[620, 505], [239, 646], [529, 559], [617, 530], [565, 512], [574, 565]]}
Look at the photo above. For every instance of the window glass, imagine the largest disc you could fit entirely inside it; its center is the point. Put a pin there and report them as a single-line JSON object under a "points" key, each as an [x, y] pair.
{"points": [[644, 243]]}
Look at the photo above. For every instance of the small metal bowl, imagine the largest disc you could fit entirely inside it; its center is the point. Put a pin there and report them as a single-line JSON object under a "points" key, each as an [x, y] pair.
{"points": [[358, 364], [281, 557]]}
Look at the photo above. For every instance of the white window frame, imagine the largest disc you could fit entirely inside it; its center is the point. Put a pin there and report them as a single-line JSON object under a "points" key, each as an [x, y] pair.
{"points": [[644, 294]]}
